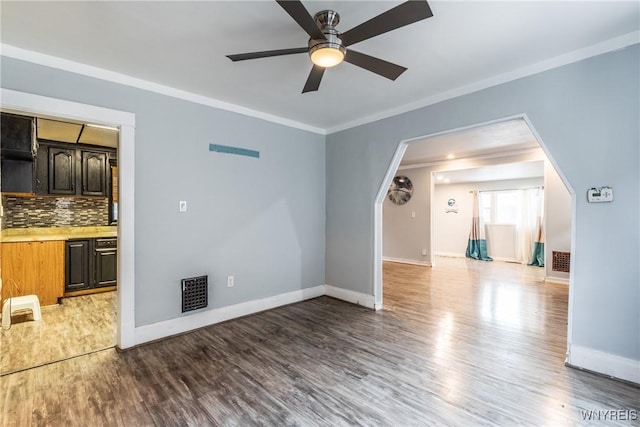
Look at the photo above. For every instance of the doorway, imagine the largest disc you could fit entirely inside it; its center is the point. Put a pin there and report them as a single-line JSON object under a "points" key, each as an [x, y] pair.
{"points": [[35, 105], [455, 160]]}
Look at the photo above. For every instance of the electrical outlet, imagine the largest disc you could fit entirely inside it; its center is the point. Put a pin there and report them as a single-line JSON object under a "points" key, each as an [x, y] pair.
{"points": [[183, 205], [231, 282], [424, 251]]}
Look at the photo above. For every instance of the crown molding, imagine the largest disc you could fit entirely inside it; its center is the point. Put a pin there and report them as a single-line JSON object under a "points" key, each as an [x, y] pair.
{"points": [[606, 46], [123, 79]]}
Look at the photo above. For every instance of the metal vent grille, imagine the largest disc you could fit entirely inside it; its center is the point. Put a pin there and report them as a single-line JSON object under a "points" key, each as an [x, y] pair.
{"points": [[561, 261], [194, 293]]}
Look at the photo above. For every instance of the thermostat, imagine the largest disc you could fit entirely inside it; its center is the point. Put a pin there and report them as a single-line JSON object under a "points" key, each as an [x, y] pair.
{"points": [[600, 194]]}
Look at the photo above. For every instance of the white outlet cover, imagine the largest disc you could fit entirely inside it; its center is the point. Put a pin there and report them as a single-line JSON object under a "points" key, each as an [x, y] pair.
{"points": [[183, 206]]}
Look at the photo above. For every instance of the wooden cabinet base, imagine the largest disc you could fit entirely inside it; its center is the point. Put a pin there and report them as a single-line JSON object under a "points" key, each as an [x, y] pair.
{"points": [[89, 291], [33, 268]]}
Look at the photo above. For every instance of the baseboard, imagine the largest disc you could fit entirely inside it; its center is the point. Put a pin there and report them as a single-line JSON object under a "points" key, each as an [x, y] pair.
{"points": [[604, 363], [449, 254], [350, 296], [406, 261], [558, 280], [201, 319]]}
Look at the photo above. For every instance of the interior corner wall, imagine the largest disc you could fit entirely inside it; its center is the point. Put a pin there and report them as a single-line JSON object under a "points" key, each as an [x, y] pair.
{"points": [[557, 232], [261, 220], [586, 114], [406, 228]]}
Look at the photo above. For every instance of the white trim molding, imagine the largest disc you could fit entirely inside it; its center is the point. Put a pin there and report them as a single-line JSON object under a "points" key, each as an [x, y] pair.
{"points": [[22, 102], [123, 79], [351, 296], [200, 319], [603, 363], [406, 261], [610, 45], [557, 280], [203, 318]]}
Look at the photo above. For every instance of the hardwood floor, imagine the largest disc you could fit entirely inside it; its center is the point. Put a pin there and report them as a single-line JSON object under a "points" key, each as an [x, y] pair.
{"points": [[463, 343], [77, 326]]}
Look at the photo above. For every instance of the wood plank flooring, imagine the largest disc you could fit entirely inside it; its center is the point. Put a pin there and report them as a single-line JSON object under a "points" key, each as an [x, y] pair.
{"points": [[77, 326], [463, 343]]}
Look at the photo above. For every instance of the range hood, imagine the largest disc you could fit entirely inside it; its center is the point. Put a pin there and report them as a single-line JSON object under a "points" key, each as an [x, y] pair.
{"points": [[76, 133]]}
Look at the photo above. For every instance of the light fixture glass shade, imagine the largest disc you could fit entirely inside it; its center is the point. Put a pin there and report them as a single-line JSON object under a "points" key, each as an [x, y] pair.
{"points": [[327, 56]]}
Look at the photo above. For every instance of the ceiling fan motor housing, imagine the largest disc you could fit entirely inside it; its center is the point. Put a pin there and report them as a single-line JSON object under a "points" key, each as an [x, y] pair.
{"points": [[327, 20]]}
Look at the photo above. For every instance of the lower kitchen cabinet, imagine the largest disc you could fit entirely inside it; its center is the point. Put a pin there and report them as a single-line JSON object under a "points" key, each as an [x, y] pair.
{"points": [[33, 268], [91, 264], [106, 262], [77, 265]]}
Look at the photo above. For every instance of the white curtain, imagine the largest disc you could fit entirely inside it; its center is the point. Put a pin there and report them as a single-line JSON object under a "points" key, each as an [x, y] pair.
{"points": [[530, 212]]}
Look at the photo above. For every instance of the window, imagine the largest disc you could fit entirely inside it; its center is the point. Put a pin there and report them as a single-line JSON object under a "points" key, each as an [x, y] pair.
{"points": [[499, 207]]}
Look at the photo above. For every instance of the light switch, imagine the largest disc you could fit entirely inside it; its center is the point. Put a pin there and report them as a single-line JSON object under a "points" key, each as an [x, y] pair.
{"points": [[183, 205], [413, 214]]}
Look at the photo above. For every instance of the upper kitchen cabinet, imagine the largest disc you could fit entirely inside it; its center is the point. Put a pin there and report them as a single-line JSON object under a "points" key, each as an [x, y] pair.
{"points": [[62, 170], [16, 150], [17, 135], [74, 171], [94, 173]]}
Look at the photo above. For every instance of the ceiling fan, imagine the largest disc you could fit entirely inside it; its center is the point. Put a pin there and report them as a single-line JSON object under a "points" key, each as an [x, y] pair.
{"points": [[327, 47]]}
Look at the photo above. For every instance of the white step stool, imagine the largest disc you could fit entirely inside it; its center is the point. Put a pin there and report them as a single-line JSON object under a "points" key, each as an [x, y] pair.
{"points": [[30, 302]]}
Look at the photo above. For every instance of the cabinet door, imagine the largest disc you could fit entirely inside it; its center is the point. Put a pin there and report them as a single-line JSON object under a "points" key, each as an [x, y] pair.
{"points": [[106, 268], [62, 171], [94, 173], [33, 268], [77, 265]]}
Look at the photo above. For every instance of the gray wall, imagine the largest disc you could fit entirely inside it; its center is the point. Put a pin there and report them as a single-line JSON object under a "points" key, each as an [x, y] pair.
{"points": [[261, 220], [557, 214], [403, 236], [586, 114]]}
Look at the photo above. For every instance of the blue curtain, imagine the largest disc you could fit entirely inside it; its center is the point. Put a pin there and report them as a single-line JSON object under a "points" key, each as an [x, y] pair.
{"points": [[537, 257], [477, 245]]}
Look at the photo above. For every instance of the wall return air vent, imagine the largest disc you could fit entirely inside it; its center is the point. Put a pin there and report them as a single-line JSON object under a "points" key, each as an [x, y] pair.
{"points": [[194, 293], [561, 261]]}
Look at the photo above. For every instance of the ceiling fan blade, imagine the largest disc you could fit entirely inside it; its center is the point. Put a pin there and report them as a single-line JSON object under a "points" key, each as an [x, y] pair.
{"points": [[300, 14], [267, 53], [375, 65], [404, 14], [313, 81]]}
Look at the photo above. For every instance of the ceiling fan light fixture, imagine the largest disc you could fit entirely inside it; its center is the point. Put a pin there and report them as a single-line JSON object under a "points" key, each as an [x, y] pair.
{"points": [[327, 54]]}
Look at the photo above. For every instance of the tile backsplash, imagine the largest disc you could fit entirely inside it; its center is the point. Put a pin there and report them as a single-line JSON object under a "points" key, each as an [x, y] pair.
{"points": [[23, 212]]}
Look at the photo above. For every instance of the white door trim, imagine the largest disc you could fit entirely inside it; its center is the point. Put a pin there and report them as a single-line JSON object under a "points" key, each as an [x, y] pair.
{"points": [[22, 102]]}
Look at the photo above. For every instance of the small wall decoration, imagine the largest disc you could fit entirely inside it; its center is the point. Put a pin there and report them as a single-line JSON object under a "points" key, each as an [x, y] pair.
{"points": [[452, 207], [400, 190]]}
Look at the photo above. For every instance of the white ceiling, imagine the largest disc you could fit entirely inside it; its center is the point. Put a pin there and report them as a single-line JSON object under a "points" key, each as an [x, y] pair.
{"points": [[507, 171], [183, 45], [491, 139], [497, 141]]}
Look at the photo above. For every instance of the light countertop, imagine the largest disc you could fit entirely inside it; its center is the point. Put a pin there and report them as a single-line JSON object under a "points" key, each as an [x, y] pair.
{"points": [[56, 233]]}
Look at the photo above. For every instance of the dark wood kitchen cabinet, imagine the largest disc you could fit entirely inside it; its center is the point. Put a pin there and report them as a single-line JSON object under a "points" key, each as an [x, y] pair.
{"points": [[62, 171], [94, 173], [17, 136], [16, 176], [77, 265], [91, 264], [73, 171]]}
